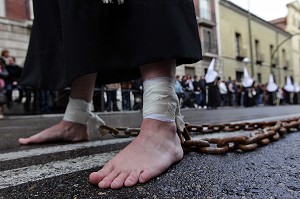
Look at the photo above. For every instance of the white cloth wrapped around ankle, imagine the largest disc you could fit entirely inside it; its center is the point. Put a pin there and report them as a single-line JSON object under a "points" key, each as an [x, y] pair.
{"points": [[79, 111], [160, 101]]}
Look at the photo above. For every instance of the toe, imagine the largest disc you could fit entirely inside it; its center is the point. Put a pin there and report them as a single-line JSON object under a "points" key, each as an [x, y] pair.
{"points": [[96, 177], [132, 179], [23, 141], [119, 181], [29, 140], [106, 182], [145, 176]]}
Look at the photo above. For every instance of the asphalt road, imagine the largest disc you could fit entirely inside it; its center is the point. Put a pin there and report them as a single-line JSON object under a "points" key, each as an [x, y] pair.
{"points": [[60, 170]]}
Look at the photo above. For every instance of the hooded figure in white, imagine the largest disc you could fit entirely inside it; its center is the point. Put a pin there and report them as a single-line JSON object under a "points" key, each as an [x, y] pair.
{"points": [[272, 86], [211, 75], [289, 87], [247, 80], [272, 89], [297, 88], [211, 79], [296, 98], [288, 90], [248, 98]]}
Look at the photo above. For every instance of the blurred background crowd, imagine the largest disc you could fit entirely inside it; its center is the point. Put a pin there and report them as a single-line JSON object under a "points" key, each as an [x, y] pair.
{"points": [[193, 92]]}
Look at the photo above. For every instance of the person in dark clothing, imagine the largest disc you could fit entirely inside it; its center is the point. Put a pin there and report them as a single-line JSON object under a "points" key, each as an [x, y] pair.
{"points": [[212, 81], [125, 91], [248, 92], [111, 93], [137, 90], [12, 81], [296, 98], [188, 88], [288, 91], [272, 90], [3, 75], [249, 96], [214, 97], [118, 41], [197, 91], [202, 84]]}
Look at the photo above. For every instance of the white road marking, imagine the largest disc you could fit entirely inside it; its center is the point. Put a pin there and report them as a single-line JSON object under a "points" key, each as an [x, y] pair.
{"points": [[57, 149], [23, 175]]}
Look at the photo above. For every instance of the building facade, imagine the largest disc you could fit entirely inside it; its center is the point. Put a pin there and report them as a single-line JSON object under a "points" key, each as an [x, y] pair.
{"points": [[207, 25], [224, 33], [15, 26], [249, 41], [291, 24]]}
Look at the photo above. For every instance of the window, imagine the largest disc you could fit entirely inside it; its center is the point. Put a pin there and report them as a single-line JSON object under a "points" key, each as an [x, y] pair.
{"points": [[284, 57], [271, 50], [208, 40], [190, 70], [2, 8], [238, 43], [239, 75], [205, 10], [257, 50], [272, 56]]}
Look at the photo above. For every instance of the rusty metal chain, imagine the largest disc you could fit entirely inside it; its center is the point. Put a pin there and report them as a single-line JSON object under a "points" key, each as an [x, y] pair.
{"points": [[265, 132]]}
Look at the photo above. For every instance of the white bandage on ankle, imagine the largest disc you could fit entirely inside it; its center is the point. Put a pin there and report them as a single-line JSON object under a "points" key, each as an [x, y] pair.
{"points": [[79, 111], [160, 101]]}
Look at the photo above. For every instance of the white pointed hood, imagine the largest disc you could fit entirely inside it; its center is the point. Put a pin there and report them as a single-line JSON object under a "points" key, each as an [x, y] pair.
{"points": [[211, 75], [297, 88], [272, 86], [247, 80], [289, 87]]}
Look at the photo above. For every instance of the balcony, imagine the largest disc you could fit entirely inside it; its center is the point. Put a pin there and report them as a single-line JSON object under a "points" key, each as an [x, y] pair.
{"points": [[241, 54], [260, 58], [206, 18], [209, 49]]}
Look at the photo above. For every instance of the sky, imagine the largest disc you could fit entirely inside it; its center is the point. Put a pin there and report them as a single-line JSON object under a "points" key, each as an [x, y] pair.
{"points": [[265, 9]]}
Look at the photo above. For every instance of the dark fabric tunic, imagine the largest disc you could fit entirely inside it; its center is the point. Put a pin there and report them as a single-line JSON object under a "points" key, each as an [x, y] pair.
{"points": [[71, 38]]}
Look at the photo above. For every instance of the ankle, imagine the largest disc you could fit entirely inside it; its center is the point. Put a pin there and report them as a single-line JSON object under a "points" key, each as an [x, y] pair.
{"points": [[74, 129]]}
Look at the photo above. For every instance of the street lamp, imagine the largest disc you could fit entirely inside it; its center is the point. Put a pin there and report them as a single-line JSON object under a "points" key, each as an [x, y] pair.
{"points": [[250, 39], [246, 60]]}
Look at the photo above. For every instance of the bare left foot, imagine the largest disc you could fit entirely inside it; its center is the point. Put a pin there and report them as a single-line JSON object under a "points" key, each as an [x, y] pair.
{"points": [[155, 149], [63, 131]]}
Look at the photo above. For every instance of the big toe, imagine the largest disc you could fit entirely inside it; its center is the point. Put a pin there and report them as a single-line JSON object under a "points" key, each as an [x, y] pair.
{"points": [[95, 178], [24, 141]]}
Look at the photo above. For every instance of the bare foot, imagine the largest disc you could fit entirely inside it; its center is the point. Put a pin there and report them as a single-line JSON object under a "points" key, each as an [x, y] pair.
{"points": [[64, 131], [147, 156]]}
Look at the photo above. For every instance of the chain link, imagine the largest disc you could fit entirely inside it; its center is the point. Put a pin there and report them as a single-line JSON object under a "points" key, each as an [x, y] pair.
{"points": [[265, 133]]}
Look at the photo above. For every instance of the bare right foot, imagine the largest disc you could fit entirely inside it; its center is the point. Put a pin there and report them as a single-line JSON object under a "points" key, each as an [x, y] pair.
{"points": [[64, 131], [153, 151]]}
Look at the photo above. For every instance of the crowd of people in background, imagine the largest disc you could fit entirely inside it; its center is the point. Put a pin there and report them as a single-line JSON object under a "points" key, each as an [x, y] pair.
{"points": [[10, 74], [193, 92], [196, 93], [45, 101]]}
